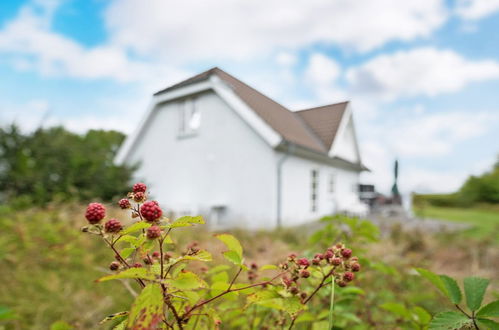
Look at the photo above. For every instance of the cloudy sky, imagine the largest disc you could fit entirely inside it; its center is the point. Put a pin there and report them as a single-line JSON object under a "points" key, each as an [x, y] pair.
{"points": [[423, 76]]}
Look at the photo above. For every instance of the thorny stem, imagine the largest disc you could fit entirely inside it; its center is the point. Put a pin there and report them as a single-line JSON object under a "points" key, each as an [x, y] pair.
{"points": [[321, 284], [178, 318]]}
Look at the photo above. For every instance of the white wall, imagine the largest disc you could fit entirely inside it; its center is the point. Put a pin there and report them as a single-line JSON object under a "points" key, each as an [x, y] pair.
{"points": [[297, 189], [226, 163], [345, 146]]}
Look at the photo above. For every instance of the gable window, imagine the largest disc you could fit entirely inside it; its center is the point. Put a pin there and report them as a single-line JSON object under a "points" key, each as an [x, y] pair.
{"points": [[331, 183], [190, 117], [314, 180]]}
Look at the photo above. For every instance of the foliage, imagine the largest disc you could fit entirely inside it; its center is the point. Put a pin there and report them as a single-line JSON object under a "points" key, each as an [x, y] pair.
{"points": [[53, 163], [478, 316], [176, 296]]}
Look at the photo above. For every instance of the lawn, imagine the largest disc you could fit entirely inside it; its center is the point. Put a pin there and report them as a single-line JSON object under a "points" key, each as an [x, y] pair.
{"points": [[485, 221]]}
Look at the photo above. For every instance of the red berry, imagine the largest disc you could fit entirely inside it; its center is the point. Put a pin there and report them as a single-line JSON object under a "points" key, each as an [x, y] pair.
{"points": [[304, 273], [346, 253], [95, 212], [303, 295], [114, 266], [153, 232], [139, 187], [342, 284], [319, 256], [124, 203], [113, 226], [137, 265], [303, 262], [316, 261], [167, 256], [294, 290], [348, 276], [355, 267], [139, 196], [151, 211], [329, 254], [336, 261], [254, 266], [156, 254]]}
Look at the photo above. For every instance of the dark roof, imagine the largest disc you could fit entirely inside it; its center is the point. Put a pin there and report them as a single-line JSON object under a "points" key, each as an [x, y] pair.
{"points": [[311, 128], [324, 121]]}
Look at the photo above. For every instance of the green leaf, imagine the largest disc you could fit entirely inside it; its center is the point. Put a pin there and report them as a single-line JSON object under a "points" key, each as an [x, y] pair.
{"points": [[232, 243], [453, 290], [126, 252], [433, 278], [187, 281], [142, 273], [488, 324], [186, 221], [217, 269], [474, 288], [233, 257], [202, 255], [147, 309], [122, 325], [489, 310], [293, 305], [267, 267], [136, 227], [113, 316], [61, 325], [420, 315], [449, 320], [397, 309], [128, 238]]}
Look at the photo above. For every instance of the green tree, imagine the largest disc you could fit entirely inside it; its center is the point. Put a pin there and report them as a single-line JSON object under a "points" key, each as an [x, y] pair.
{"points": [[54, 163]]}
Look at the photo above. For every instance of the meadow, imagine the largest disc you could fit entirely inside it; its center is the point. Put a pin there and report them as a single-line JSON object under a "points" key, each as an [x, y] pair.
{"points": [[48, 269]]}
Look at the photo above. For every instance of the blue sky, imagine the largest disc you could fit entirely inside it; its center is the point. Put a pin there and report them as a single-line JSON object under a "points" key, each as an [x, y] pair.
{"points": [[422, 76]]}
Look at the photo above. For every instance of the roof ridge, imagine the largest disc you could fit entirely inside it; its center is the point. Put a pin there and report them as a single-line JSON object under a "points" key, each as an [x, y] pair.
{"points": [[322, 106]]}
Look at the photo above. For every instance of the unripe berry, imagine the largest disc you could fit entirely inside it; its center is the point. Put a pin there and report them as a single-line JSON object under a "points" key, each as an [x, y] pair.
{"points": [[346, 253], [304, 273], [139, 196], [113, 226], [137, 265], [167, 256], [348, 276], [156, 254], [95, 212], [153, 232], [151, 211], [341, 283], [287, 282], [303, 295], [114, 266], [316, 261], [336, 261], [254, 266], [355, 267], [292, 257], [139, 187], [319, 256], [303, 262], [294, 290], [124, 203], [147, 261]]}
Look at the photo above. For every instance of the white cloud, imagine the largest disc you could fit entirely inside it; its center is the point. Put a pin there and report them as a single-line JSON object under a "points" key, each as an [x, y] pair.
{"points": [[421, 71], [476, 9], [286, 59], [322, 70], [228, 29]]}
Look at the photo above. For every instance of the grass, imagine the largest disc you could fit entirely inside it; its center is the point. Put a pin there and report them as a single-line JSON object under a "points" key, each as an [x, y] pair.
{"points": [[485, 221]]}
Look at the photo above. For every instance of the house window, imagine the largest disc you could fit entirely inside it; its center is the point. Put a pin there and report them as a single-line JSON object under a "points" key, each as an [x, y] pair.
{"points": [[331, 183], [190, 117], [314, 190]]}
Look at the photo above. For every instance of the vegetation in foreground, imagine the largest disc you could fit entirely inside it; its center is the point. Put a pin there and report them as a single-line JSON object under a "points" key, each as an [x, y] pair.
{"points": [[51, 267]]}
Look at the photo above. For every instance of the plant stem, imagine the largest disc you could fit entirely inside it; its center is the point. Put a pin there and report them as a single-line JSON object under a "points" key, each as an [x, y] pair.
{"points": [[331, 307], [462, 311]]}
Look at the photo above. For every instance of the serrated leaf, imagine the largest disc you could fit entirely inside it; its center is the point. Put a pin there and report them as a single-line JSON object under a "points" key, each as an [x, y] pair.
{"points": [[186, 221], [397, 309], [142, 273], [126, 252], [232, 243], [474, 288], [138, 226], [202, 255], [449, 320], [421, 315], [293, 305], [187, 281], [113, 316], [233, 257], [487, 324], [262, 295], [147, 309], [453, 290], [129, 239], [489, 310], [433, 278]]}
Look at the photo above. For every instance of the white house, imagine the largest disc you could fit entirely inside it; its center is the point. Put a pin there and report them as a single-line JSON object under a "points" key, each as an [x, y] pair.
{"points": [[213, 145]]}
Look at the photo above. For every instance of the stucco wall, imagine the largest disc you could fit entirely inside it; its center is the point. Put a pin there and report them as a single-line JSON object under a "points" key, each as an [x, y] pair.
{"points": [[297, 190], [225, 163]]}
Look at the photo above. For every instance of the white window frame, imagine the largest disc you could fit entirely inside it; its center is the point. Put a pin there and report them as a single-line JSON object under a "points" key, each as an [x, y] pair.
{"points": [[314, 190], [190, 118]]}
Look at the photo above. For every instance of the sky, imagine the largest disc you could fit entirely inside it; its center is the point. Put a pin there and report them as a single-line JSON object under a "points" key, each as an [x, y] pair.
{"points": [[422, 76]]}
